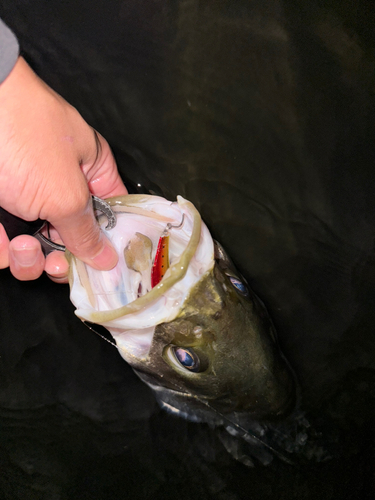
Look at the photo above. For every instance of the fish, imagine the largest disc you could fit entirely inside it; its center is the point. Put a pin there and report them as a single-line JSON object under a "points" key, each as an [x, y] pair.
{"points": [[197, 335]]}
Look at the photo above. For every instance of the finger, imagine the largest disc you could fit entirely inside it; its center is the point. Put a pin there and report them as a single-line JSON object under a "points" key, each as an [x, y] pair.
{"points": [[4, 248], [82, 236], [102, 174], [57, 267], [80, 231], [26, 260]]}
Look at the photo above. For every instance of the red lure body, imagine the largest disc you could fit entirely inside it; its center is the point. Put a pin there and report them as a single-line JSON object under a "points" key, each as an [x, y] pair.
{"points": [[161, 262]]}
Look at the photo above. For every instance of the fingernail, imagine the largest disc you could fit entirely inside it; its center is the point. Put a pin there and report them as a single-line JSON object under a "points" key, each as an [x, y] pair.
{"points": [[25, 257], [56, 266], [106, 259]]}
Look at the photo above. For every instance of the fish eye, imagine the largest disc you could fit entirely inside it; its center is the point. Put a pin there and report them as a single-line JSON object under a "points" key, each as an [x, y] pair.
{"points": [[185, 357], [239, 286]]}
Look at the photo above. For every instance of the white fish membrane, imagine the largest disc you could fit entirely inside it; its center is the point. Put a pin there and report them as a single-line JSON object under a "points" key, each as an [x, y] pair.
{"points": [[118, 287]]}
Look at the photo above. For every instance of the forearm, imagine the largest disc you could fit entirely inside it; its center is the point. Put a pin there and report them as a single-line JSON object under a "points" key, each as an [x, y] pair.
{"points": [[9, 50]]}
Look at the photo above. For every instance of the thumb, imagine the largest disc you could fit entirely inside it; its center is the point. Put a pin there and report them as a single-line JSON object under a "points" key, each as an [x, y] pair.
{"points": [[83, 237]]}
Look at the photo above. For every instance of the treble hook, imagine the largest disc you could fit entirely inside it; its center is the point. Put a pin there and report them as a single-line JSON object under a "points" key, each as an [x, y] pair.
{"points": [[170, 226], [103, 206]]}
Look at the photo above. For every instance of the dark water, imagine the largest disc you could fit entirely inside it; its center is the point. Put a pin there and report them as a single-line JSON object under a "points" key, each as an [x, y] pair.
{"points": [[262, 114], [77, 423]]}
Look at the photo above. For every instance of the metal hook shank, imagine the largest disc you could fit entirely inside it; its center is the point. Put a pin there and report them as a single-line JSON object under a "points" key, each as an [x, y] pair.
{"points": [[49, 246]]}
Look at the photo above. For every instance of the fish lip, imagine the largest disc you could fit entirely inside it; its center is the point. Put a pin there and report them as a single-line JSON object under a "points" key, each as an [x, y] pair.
{"points": [[155, 383], [148, 378]]}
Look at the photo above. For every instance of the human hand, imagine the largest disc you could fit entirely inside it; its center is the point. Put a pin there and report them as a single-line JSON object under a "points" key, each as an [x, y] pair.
{"points": [[51, 161]]}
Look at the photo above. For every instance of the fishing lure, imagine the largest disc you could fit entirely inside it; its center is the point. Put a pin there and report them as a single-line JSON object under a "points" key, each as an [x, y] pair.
{"points": [[161, 261]]}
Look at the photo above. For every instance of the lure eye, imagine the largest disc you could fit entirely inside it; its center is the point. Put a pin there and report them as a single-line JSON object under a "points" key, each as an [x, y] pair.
{"points": [[186, 358], [239, 286]]}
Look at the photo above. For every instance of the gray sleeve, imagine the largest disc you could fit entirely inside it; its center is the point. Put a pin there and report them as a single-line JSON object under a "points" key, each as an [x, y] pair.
{"points": [[9, 51]]}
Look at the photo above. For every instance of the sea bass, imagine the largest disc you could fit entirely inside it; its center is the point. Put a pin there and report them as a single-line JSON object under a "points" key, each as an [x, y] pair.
{"points": [[182, 316]]}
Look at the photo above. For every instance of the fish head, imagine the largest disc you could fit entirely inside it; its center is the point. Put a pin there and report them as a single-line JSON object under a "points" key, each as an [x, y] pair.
{"points": [[200, 338], [220, 354]]}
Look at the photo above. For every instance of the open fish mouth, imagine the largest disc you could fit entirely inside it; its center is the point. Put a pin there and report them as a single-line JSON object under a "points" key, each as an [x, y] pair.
{"points": [[123, 299]]}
